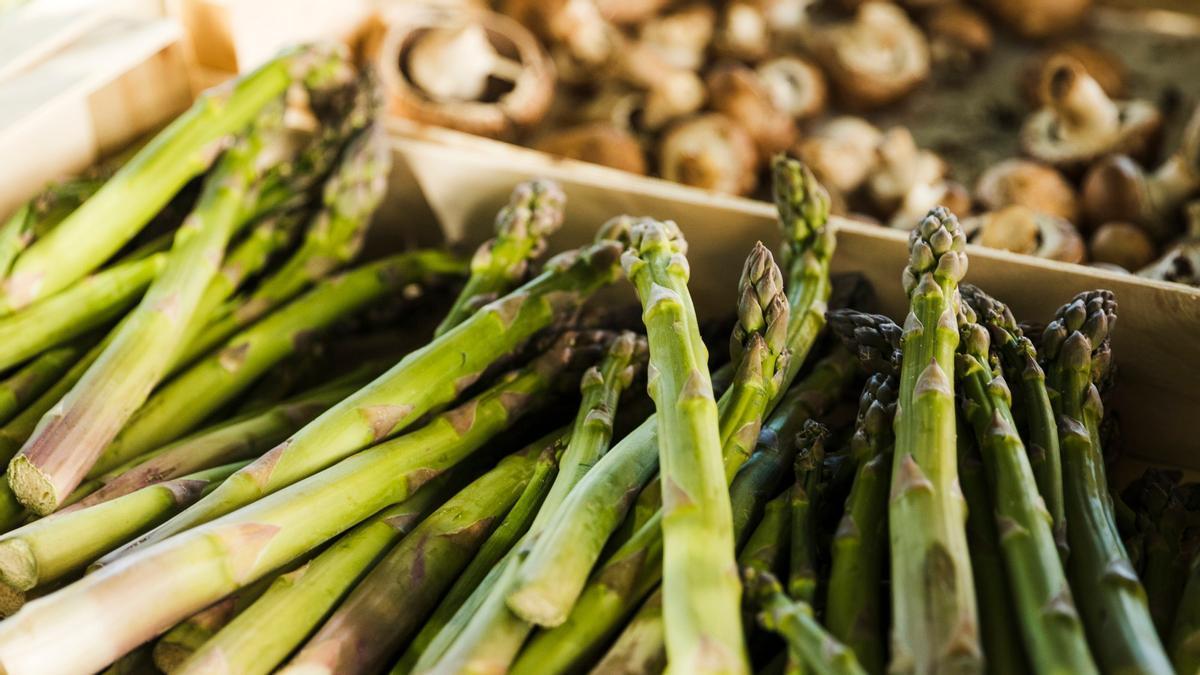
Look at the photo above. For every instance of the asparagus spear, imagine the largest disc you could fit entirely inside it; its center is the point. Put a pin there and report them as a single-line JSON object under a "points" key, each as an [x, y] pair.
{"points": [[236, 440], [1075, 349], [296, 602], [176, 645], [31, 381], [161, 584], [937, 630], [802, 581], [42, 213], [428, 377], [202, 389], [1019, 360], [332, 240], [533, 213], [1050, 626], [105, 222], [767, 548], [640, 648], [618, 586], [853, 610], [807, 642], [1000, 635], [370, 626], [87, 304], [1162, 518], [48, 549], [591, 434], [1185, 633], [71, 437]]}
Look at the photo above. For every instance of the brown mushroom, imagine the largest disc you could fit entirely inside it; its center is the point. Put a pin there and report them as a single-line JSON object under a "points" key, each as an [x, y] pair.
{"points": [[681, 37], [903, 168], [1039, 18], [478, 72], [577, 25], [919, 200], [841, 152], [796, 86], [786, 19], [1122, 244], [737, 92], [874, 59], [1028, 183], [1079, 122], [1105, 67], [1022, 230], [710, 151], [959, 37], [597, 142], [671, 92], [1181, 263], [743, 33], [628, 12], [1117, 188]]}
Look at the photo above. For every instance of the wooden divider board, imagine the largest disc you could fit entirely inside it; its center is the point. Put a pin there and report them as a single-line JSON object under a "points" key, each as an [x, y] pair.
{"points": [[462, 180]]}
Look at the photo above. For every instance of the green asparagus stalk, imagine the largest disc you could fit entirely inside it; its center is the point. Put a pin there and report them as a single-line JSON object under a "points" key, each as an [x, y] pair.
{"points": [[1052, 632], [533, 213], [1185, 633], [853, 609], [807, 641], [296, 602], [233, 441], [25, 385], [1164, 569], [1001, 636], [767, 548], [620, 584], [110, 218], [370, 625], [42, 213], [1075, 349], [1019, 361], [590, 437], [192, 396], [161, 584], [937, 630], [802, 580], [50, 548], [87, 304], [428, 377], [178, 644], [332, 240], [639, 648], [72, 436]]}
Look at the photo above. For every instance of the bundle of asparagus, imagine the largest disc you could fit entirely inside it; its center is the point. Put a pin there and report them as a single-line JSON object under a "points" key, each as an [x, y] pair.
{"points": [[196, 486]]}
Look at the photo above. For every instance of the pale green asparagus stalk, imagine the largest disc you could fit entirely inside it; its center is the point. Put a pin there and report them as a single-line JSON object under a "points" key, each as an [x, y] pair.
{"points": [[296, 602], [766, 549], [808, 643], [1019, 361], [533, 213], [590, 436], [44, 212], [49, 548], [428, 377], [140, 189], [72, 436], [32, 380], [935, 631], [196, 393], [1051, 628], [333, 239], [371, 625], [161, 584], [1111, 600]]}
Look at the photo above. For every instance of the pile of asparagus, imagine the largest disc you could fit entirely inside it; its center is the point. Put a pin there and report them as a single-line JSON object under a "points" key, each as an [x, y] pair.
{"points": [[233, 449]]}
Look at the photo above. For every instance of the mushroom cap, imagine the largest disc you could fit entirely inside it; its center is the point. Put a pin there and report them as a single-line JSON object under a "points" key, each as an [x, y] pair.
{"points": [[710, 151], [738, 92], [525, 104], [902, 168], [960, 29], [796, 85], [671, 92], [453, 63], [629, 11], [1104, 66], [1039, 18], [598, 143], [1180, 264], [1115, 189], [1022, 230], [1028, 183], [576, 25], [743, 33], [842, 152], [1079, 123], [1122, 244], [875, 59], [681, 37]]}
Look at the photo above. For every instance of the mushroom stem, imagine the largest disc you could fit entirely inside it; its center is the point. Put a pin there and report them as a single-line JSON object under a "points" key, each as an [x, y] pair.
{"points": [[1078, 100]]}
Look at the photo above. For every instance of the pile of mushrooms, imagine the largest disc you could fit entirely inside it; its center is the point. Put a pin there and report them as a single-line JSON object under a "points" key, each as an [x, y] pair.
{"points": [[705, 93]]}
